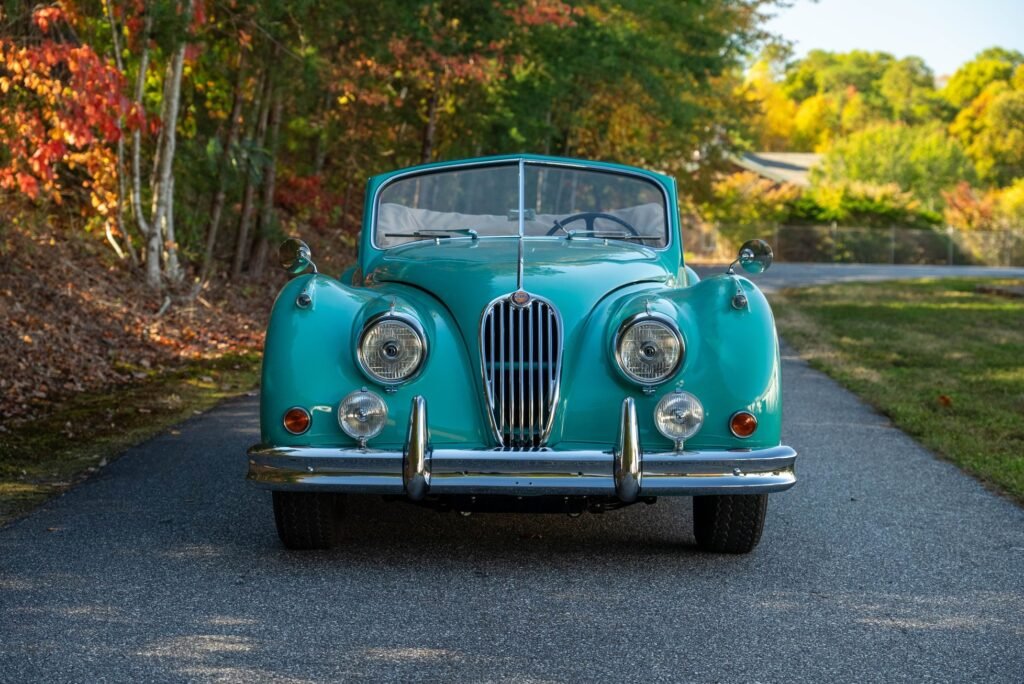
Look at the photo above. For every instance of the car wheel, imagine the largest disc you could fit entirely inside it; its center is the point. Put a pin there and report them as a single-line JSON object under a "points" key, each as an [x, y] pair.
{"points": [[729, 523], [308, 520]]}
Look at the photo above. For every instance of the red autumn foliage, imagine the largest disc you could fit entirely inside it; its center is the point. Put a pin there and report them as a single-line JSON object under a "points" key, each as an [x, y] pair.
{"points": [[306, 202], [969, 209], [545, 12], [62, 107]]}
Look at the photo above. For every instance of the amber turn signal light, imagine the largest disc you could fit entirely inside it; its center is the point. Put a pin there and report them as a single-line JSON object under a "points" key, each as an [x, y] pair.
{"points": [[296, 420], [742, 424]]}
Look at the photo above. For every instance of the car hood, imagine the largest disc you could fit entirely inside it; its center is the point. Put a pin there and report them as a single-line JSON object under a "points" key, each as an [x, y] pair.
{"points": [[466, 275]]}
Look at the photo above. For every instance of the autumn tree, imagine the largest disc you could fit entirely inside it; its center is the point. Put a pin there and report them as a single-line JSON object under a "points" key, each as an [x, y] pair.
{"points": [[63, 106], [922, 159], [989, 66], [991, 128]]}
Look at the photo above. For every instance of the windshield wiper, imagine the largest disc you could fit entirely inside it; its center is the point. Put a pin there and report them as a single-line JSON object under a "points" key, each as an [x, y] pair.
{"points": [[437, 233], [570, 234]]}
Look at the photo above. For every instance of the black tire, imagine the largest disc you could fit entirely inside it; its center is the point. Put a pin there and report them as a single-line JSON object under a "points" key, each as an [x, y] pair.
{"points": [[729, 523], [308, 520]]}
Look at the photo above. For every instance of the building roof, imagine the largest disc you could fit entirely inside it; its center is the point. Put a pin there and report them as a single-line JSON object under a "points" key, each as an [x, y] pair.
{"points": [[781, 167]]}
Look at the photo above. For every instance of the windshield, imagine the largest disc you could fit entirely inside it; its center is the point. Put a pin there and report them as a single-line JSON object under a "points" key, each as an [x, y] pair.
{"points": [[558, 201]]}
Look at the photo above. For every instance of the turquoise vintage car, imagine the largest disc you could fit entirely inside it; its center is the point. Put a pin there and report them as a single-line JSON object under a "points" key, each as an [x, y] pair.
{"points": [[521, 333]]}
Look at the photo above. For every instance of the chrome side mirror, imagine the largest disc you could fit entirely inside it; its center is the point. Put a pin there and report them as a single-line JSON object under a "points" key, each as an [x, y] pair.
{"points": [[755, 257], [295, 256]]}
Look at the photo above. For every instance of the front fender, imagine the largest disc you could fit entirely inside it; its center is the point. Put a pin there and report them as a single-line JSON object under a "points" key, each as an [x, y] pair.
{"points": [[731, 363], [309, 360]]}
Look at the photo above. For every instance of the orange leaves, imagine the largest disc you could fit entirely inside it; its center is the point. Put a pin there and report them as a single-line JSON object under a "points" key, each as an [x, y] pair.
{"points": [[45, 17], [63, 106], [27, 184]]}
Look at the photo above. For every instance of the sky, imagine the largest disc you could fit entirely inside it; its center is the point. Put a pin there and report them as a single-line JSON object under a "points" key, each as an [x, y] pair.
{"points": [[945, 33]]}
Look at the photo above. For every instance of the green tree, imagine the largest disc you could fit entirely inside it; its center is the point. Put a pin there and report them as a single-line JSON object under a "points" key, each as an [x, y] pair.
{"points": [[839, 73], [991, 128], [919, 159], [817, 122], [774, 120], [989, 66], [908, 87]]}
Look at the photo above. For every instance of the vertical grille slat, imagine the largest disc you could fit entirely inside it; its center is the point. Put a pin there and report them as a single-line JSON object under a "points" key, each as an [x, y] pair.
{"points": [[501, 360], [521, 355], [530, 369], [521, 361]]}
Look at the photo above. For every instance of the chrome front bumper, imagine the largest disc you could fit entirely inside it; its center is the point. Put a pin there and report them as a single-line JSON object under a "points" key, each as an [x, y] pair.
{"points": [[625, 471]]}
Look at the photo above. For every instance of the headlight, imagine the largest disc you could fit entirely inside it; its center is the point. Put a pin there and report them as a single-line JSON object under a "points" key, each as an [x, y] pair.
{"points": [[391, 349], [362, 415], [649, 348], [678, 416]]}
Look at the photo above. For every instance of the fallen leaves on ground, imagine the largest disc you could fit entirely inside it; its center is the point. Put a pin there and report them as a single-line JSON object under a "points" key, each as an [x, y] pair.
{"points": [[75, 320]]}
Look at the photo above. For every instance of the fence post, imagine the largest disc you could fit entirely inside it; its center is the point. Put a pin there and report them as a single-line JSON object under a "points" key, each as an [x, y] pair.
{"points": [[777, 250], [949, 245], [834, 227], [892, 244]]}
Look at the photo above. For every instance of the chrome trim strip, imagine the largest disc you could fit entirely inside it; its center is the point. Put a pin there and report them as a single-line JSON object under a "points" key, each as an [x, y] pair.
{"points": [[404, 318], [522, 222], [415, 470], [637, 318], [628, 459], [582, 165]]}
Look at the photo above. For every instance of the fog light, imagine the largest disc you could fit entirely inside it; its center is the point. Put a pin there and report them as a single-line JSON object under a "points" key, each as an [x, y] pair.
{"points": [[742, 424], [362, 415], [678, 416], [296, 420]]}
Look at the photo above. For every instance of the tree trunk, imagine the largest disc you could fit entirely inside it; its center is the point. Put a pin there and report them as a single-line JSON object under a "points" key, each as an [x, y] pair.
{"points": [[251, 185], [158, 150], [174, 271], [166, 178], [320, 145], [121, 183], [152, 262], [230, 140], [266, 226], [154, 238], [430, 130]]}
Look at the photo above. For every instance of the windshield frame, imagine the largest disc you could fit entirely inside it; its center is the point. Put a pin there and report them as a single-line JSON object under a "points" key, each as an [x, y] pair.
{"points": [[523, 162]]}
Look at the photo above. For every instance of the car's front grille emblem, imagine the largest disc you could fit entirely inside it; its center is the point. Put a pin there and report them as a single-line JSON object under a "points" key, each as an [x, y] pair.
{"points": [[521, 355]]}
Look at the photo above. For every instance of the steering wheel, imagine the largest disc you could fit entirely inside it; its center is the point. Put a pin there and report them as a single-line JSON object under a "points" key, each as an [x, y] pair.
{"points": [[590, 217]]}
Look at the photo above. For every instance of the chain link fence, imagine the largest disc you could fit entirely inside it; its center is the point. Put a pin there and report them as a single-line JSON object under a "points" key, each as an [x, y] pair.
{"points": [[851, 244]]}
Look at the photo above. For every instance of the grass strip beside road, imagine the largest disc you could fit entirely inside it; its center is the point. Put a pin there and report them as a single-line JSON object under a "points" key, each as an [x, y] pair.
{"points": [[41, 458], [944, 362]]}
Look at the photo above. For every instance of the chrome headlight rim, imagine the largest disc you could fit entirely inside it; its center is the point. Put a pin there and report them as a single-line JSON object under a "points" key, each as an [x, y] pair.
{"points": [[385, 316], [640, 318]]}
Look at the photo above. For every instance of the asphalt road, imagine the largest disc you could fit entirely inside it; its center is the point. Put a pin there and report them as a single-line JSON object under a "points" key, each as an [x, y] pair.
{"points": [[882, 564]]}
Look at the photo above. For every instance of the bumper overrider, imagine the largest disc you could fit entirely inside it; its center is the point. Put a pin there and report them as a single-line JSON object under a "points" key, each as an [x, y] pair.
{"points": [[624, 471]]}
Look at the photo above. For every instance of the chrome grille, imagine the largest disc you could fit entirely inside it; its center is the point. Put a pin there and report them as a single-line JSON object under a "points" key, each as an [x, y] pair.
{"points": [[521, 354]]}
